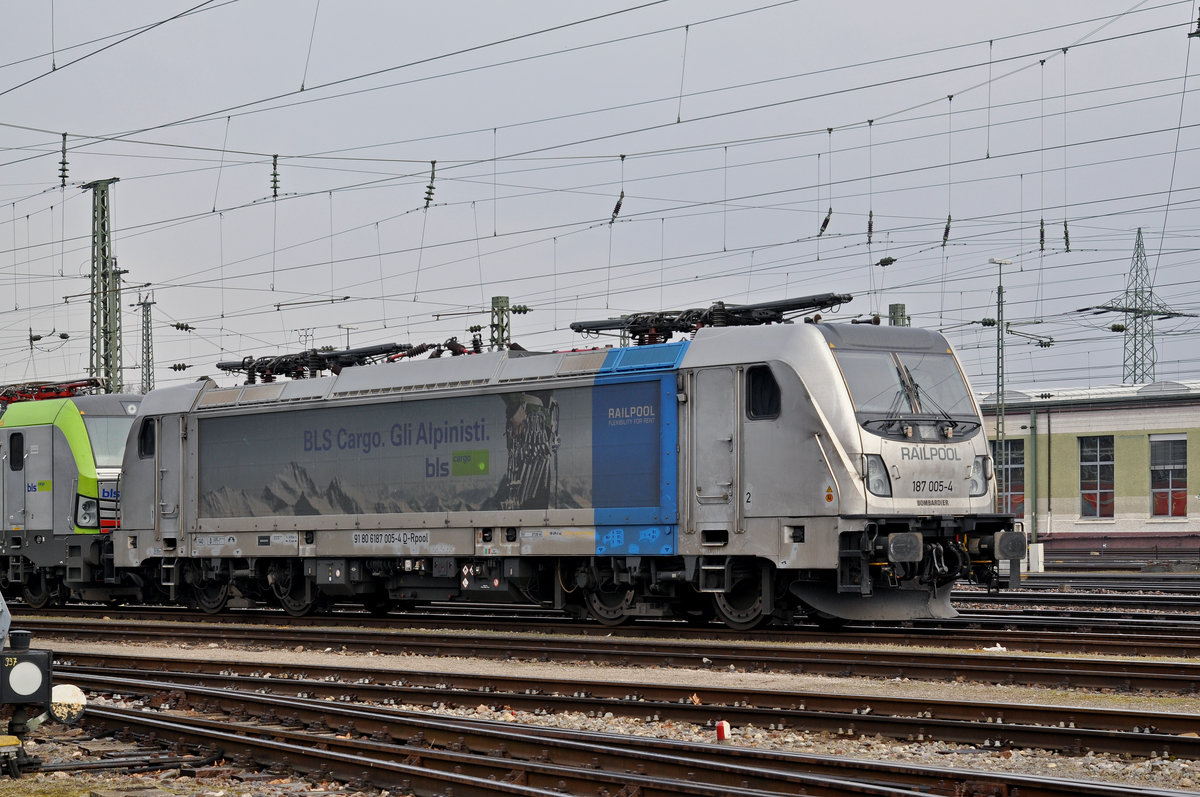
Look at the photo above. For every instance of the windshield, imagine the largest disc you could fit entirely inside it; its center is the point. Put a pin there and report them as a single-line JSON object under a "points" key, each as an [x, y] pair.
{"points": [[887, 386], [108, 436]]}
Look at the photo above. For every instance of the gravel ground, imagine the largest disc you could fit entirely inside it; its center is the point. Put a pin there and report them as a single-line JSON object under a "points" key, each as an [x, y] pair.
{"points": [[1160, 773]]}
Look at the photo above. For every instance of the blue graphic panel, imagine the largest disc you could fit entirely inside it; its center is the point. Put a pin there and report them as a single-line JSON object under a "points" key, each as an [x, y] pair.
{"points": [[635, 541], [634, 464], [625, 444]]}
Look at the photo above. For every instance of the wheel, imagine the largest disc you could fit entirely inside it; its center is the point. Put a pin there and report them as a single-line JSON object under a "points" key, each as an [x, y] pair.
{"points": [[212, 596], [741, 608], [42, 590], [291, 590], [609, 608]]}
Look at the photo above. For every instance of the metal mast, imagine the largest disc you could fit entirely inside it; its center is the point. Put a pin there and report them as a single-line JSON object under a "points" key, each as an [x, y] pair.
{"points": [[1001, 443], [106, 294], [501, 333], [147, 343], [501, 324]]}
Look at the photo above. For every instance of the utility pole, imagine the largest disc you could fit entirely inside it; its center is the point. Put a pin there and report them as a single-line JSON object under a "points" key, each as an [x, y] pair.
{"points": [[105, 361], [147, 343]]}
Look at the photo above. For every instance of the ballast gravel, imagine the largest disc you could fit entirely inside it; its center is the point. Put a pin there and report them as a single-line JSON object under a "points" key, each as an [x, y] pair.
{"points": [[1162, 773]]}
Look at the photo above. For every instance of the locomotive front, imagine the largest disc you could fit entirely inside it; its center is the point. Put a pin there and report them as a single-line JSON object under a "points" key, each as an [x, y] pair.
{"points": [[922, 516]]}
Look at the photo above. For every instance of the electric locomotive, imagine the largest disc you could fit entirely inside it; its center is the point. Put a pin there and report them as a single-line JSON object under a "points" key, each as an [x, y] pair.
{"points": [[59, 460], [755, 471]]}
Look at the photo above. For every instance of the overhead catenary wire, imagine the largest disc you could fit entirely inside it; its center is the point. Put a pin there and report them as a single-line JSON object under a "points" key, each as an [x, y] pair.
{"points": [[729, 203]]}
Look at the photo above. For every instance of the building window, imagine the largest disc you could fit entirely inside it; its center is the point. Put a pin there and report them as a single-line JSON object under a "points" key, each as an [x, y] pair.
{"points": [[1168, 475], [1010, 477], [1096, 465]]}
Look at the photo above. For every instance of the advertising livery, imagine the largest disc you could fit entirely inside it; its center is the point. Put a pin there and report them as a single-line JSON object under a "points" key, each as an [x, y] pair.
{"points": [[756, 472]]}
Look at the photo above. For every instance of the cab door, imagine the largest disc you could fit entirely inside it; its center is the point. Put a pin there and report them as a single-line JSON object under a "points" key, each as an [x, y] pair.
{"points": [[170, 473], [715, 402], [13, 483], [38, 478]]}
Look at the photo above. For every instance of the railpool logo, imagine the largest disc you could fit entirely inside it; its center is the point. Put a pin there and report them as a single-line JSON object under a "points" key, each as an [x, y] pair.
{"points": [[632, 415], [637, 411], [929, 453]]}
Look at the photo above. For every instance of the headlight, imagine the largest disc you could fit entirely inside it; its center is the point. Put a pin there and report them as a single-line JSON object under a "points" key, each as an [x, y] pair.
{"points": [[980, 473], [87, 512], [878, 482]]}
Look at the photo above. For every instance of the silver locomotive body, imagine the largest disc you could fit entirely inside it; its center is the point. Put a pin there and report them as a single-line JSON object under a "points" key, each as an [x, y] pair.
{"points": [[746, 474]]}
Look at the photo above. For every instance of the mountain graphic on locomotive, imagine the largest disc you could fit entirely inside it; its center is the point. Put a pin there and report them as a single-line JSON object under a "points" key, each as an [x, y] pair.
{"points": [[754, 471]]}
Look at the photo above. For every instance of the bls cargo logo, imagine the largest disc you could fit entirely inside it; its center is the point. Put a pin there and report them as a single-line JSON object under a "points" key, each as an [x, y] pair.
{"points": [[110, 492], [462, 463], [43, 486]]}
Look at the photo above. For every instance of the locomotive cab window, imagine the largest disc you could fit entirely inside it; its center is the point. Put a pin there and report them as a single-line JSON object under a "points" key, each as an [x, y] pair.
{"points": [[108, 434], [16, 451], [917, 394], [762, 393], [146, 439]]}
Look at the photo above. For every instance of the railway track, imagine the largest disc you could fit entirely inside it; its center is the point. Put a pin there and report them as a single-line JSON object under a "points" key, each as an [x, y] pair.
{"points": [[1073, 631], [1072, 730], [325, 733], [842, 660]]}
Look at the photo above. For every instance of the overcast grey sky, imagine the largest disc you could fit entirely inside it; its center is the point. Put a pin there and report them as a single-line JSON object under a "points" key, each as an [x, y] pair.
{"points": [[732, 128]]}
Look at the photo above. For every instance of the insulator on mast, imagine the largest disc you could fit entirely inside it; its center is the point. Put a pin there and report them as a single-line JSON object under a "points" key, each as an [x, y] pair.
{"points": [[274, 176], [824, 224], [1042, 236], [870, 225], [946, 232], [1066, 236], [429, 188], [62, 164], [617, 207]]}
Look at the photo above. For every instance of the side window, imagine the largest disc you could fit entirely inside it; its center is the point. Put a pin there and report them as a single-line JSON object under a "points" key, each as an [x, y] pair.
{"points": [[1096, 476], [1168, 475], [146, 439], [1010, 476], [762, 393], [16, 451]]}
